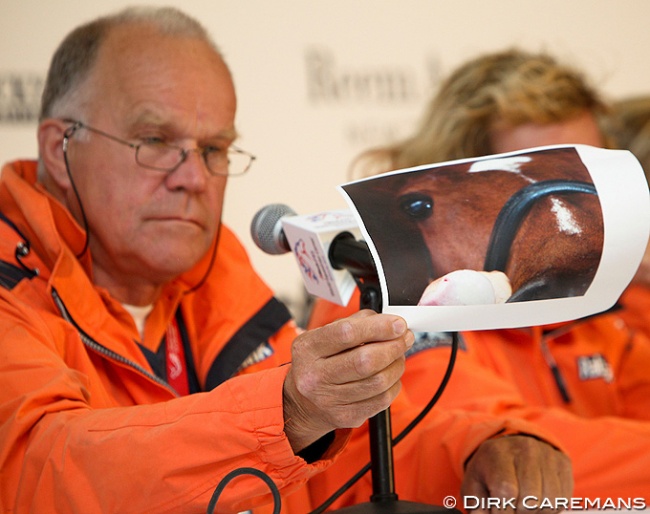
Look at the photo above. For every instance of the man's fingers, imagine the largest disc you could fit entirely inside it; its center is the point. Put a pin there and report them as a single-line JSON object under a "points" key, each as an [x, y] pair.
{"points": [[341, 335], [511, 471], [362, 386], [353, 415], [558, 479], [345, 381], [343, 373], [363, 363]]}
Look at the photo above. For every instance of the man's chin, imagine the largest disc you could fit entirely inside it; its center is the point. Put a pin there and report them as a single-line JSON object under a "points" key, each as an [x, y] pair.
{"points": [[174, 263]]}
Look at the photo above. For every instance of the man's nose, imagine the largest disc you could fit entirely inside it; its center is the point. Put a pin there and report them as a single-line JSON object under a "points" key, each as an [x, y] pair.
{"points": [[192, 173]]}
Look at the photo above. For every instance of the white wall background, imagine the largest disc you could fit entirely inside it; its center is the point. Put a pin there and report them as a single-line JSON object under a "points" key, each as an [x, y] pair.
{"points": [[380, 60]]}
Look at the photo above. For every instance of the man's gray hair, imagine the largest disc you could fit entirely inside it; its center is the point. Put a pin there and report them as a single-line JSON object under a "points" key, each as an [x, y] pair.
{"points": [[77, 53]]}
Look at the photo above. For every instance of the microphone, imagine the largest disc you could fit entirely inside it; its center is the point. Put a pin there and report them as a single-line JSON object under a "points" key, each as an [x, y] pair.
{"points": [[266, 229], [325, 246]]}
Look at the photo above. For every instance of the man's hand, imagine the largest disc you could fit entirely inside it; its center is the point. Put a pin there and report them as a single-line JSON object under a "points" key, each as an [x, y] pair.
{"points": [[342, 374], [518, 467]]}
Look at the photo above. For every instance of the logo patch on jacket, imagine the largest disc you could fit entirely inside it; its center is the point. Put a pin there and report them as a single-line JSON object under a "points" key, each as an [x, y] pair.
{"points": [[592, 367], [262, 352], [426, 340]]}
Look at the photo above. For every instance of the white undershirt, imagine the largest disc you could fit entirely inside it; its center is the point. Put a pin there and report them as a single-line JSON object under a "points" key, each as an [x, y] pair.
{"points": [[139, 315]]}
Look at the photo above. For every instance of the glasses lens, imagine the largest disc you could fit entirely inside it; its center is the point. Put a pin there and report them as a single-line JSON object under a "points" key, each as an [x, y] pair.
{"points": [[158, 156], [234, 162], [167, 158]]}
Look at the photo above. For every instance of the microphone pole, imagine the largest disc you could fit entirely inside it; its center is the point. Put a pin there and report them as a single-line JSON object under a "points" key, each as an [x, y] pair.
{"points": [[346, 252]]}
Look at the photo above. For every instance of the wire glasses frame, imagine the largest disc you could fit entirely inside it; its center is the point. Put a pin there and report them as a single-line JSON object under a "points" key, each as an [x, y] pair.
{"points": [[165, 157]]}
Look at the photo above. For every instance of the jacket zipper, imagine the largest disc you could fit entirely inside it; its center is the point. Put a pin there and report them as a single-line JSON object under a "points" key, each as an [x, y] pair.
{"points": [[99, 348], [555, 370], [550, 360]]}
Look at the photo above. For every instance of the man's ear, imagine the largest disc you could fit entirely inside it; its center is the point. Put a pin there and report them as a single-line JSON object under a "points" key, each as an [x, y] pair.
{"points": [[50, 144]]}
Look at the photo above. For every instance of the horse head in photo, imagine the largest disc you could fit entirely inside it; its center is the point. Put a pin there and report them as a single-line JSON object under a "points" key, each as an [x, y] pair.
{"points": [[534, 216]]}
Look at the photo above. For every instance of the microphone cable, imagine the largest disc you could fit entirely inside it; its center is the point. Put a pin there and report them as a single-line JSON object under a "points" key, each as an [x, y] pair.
{"points": [[67, 135], [245, 471], [407, 430], [277, 501]]}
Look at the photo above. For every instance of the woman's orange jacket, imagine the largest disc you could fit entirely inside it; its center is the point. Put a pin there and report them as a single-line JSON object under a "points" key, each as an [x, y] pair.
{"points": [[587, 382]]}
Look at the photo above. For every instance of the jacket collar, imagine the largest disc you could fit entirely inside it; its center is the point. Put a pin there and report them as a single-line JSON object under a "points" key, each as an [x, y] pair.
{"points": [[55, 238]]}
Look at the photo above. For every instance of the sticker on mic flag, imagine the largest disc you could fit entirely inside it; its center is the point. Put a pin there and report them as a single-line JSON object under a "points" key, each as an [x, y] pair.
{"points": [[309, 237], [525, 238]]}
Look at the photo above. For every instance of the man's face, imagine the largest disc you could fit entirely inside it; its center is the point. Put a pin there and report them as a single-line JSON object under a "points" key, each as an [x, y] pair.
{"points": [[582, 129], [148, 226]]}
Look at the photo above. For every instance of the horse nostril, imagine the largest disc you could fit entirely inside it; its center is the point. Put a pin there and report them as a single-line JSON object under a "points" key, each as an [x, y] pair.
{"points": [[417, 205]]}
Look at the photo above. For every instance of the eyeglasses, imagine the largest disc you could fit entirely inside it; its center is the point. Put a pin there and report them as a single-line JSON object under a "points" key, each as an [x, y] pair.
{"points": [[158, 155]]}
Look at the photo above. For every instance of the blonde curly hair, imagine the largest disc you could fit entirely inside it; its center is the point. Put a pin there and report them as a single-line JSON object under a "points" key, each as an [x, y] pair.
{"points": [[631, 127], [512, 87]]}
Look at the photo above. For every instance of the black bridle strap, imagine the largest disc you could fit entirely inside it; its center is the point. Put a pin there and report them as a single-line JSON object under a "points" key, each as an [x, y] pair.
{"points": [[514, 212]]}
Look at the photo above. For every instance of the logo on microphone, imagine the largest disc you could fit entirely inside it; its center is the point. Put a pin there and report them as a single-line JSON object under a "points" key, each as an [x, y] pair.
{"points": [[304, 261]]}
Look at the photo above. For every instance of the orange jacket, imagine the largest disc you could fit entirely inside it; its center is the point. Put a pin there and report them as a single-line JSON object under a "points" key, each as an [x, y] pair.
{"points": [[428, 463], [603, 365], [636, 312], [85, 424]]}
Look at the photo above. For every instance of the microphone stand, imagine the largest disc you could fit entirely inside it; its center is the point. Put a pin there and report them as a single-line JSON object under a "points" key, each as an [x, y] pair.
{"points": [[384, 499]]}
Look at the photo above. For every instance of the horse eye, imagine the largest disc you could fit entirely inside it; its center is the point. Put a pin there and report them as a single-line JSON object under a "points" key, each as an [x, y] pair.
{"points": [[417, 205]]}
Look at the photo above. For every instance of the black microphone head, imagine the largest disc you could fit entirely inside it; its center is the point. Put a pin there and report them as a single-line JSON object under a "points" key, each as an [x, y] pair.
{"points": [[266, 228]]}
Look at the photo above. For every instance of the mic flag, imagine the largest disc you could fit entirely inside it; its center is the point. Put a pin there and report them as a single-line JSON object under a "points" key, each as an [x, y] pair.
{"points": [[277, 229]]}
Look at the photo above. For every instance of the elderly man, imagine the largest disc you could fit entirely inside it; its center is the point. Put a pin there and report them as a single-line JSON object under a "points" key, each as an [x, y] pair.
{"points": [[127, 308]]}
